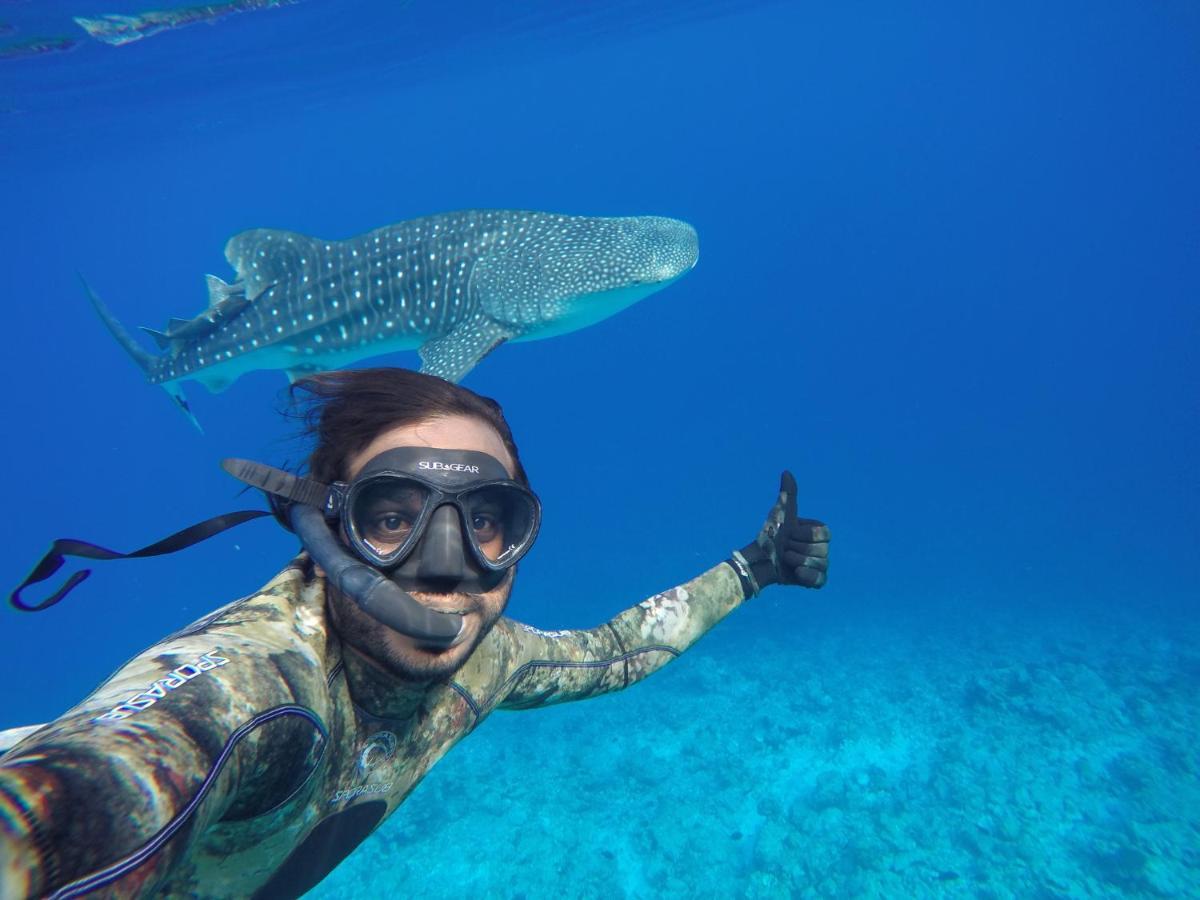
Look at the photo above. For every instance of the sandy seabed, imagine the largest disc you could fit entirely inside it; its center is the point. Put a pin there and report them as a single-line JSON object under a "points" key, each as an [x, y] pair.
{"points": [[1045, 760]]}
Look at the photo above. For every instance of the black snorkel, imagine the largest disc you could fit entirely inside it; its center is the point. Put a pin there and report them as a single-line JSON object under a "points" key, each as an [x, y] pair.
{"points": [[376, 594], [305, 506]]}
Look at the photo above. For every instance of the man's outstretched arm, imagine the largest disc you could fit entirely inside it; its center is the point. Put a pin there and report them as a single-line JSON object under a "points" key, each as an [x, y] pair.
{"points": [[112, 795], [556, 667], [86, 796]]}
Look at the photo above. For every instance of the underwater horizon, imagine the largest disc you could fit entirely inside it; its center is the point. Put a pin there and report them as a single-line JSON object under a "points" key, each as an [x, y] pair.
{"points": [[948, 276]]}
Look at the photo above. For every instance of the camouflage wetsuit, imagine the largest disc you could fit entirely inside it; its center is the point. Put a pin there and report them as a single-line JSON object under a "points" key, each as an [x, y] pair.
{"points": [[246, 755]]}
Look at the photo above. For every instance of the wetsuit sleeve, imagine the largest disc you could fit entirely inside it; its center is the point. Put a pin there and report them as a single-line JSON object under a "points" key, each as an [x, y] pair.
{"points": [[111, 795], [559, 666]]}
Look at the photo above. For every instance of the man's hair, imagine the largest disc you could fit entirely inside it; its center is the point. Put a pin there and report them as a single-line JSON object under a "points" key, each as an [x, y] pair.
{"points": [[343, 411]]}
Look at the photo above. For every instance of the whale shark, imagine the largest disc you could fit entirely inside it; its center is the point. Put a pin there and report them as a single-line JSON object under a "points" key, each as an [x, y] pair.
{"points": [[454, 286]]}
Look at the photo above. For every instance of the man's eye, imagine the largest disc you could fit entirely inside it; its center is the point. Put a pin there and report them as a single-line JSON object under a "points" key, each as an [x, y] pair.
{"points": [[486, 527], [392, 523]]}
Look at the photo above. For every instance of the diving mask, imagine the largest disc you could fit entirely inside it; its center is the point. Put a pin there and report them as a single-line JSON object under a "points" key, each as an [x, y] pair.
{"points": [[452, 518], [411, 509]]}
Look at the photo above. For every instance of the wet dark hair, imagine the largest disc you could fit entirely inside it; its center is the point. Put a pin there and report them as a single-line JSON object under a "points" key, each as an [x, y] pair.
{"points": [[343, 411]]}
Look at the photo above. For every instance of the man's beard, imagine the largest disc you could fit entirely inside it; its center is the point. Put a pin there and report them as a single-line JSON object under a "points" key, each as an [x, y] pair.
{"points": [[371, 638]]}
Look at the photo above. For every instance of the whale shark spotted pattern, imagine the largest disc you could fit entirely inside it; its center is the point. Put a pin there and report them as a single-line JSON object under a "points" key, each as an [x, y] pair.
{"points": [[454, 285]]}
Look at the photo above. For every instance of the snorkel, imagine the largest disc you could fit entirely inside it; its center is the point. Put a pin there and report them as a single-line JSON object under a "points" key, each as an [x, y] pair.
{"points": [[374, 593]]}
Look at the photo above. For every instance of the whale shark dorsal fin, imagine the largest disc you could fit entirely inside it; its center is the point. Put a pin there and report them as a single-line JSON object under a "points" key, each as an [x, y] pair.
{"points": [[263, 257], [454, 355], [163, 340], [219, 292], [181, 330]]}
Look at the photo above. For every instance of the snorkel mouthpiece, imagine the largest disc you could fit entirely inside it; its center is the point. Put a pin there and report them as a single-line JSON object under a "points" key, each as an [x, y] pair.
{"points": [[376, 594]]}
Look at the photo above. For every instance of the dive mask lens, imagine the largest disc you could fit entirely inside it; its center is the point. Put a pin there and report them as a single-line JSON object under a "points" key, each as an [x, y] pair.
{"points": [[501, 521], [386, 516]]}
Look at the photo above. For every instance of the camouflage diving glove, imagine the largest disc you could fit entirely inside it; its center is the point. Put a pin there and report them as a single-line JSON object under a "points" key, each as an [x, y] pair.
{"points": [[788, 550]]}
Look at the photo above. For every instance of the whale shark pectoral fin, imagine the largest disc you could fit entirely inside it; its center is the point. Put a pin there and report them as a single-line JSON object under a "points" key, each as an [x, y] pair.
{"points": [[217, 380], [457, 353], [295, 373]]}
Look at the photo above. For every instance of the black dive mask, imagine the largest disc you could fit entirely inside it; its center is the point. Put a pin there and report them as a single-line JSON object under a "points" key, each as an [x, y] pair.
{"points": [[446, 520]]}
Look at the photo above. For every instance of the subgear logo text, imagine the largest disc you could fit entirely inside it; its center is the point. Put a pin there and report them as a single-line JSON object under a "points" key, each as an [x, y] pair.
{"points": [[174, 680], [448, 467]]}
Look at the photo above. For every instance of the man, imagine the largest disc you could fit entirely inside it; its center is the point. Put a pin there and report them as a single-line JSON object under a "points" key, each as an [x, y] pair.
{"points": [[251, 752]]}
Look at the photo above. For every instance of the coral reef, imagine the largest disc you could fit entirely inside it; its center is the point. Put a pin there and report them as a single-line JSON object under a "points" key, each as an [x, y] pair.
{"points": [[1018, 760]]}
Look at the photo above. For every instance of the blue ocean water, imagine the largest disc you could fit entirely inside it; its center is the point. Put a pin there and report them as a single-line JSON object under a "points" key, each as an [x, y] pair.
{"points": [[948, 276]]}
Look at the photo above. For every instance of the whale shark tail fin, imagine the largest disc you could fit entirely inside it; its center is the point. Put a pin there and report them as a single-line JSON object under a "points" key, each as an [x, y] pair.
{"points": [[145, 360]]}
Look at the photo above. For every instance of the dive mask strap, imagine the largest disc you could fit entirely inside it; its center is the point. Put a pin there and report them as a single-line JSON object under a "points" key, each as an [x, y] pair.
{"points": [[285, 485], [63, 547], [281, 487]]}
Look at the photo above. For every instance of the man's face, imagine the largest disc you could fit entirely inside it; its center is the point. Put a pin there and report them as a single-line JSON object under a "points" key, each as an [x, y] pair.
{"points": [[388, 649]]}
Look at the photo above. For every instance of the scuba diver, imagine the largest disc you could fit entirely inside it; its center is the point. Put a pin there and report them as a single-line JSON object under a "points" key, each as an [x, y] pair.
{"points": [[249, 753]]}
